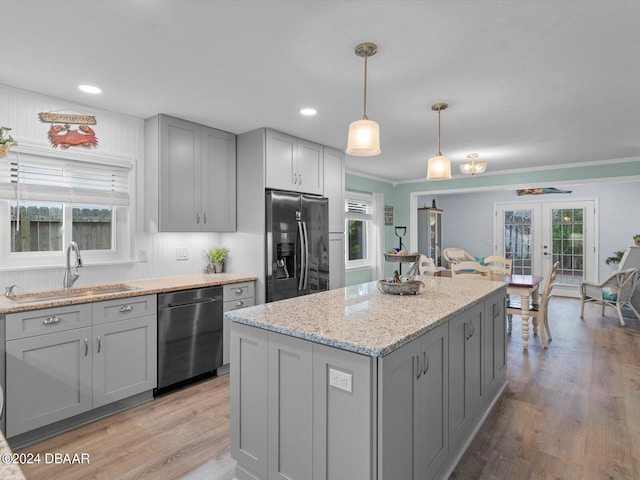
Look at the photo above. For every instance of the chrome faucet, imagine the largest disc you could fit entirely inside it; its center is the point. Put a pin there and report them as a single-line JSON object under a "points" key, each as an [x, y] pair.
{"points": [[70, 278], [9, 293]]}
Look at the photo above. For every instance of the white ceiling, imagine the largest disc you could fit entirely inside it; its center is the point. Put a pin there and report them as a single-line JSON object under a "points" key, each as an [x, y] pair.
{"points": [[529, 83]]}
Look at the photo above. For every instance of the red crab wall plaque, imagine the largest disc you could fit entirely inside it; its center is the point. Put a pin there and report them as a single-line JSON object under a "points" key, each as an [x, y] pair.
{"points": [[66, 137]]}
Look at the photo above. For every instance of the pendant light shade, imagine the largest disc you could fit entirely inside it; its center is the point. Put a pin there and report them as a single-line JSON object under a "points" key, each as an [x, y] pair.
{"points": [[473, 166], [364, 134], [439, 167]]}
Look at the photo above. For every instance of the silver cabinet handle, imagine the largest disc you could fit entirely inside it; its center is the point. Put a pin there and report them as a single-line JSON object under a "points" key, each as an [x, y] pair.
{"points": [[197, 218], [426, 363], [126, 308], [295, 178], [238, 291], [99, 343], [204, 218], [51, 320], [239, 303], [86, 347], [299, 179], [418, 369]]}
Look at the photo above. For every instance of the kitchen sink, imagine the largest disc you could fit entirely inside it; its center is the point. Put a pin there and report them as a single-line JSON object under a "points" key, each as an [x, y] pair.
{"points": [[70, 293]]}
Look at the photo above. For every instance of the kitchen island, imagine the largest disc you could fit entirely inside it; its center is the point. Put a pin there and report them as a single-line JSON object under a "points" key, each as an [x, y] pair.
{"points": [[356, 384]]}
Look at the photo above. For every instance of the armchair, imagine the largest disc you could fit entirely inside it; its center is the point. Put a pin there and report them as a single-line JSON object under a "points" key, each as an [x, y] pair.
{"points": [[615, 291], [455, 255]]}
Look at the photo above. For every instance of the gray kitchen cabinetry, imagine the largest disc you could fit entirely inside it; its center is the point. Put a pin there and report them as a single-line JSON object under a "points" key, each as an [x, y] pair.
{"points": [[293, 163], [295, 424], [189, 177], [334, 191], [413, 387], [465, 372], [66, 361], [336, 260], [494, 344], [234, 296]]}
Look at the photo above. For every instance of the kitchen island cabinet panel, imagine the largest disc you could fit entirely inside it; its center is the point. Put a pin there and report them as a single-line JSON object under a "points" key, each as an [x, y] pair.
{"points": [[49, 378], [465, 372], [494, 344]]}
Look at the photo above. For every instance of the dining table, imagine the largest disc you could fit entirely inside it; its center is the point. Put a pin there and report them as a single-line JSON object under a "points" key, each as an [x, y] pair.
{"points": [[526, 287]]}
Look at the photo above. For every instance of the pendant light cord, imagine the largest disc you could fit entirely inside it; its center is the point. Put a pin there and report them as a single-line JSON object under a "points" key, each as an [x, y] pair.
{"points": [[364, 115], [439, 152]]}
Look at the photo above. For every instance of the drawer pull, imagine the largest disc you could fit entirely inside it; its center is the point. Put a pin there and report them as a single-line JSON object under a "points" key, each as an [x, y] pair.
{"points": [[51, 320], [239, 303], [238, 291], [86, 347], [126, 308], [99, 343]]}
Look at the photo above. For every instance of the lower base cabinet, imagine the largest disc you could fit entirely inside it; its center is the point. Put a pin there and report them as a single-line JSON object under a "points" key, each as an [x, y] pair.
{"points": [[55, 376], [301, 410]]}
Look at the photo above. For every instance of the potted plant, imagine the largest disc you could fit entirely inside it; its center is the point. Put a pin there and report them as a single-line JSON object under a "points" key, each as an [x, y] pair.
{"points": [[636, 239], [216, 258], [615, 258], [6, 141]]}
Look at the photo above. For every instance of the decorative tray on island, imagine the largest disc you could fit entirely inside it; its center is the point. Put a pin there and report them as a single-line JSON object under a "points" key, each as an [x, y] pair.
{"points": [[402, 257], [410, 287]]}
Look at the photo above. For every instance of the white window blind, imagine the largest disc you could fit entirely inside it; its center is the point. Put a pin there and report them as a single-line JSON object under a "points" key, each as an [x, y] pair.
{"points": [[358, 209], [41, 178]]}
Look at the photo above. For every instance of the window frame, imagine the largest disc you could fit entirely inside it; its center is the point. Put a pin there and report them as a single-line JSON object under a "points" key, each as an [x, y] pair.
{"points": [[367, 218]]}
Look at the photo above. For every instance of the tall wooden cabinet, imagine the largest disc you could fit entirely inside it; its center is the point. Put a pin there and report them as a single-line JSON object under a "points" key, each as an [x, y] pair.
{"points": [[189, 177], [430, 233]]}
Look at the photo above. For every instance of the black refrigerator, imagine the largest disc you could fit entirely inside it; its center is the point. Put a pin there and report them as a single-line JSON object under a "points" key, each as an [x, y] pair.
{"points": [[297, 244]]}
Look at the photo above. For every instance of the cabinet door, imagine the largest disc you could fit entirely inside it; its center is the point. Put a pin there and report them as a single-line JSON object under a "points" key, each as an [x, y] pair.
{"points": [[290, 400], [281, 161], [310, 167], [494, 344], [49, 378], [249, 413], [465, 371], [180, 175], [125, 359], [218, 181], [431, 443], [333, 164]]}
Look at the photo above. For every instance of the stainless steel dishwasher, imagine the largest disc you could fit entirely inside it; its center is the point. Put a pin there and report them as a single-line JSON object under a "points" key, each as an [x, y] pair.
{"points": [[189, 335]]}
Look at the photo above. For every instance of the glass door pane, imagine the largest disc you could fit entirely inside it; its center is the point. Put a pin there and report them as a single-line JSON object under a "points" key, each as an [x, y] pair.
{"points": [[518, 240], [567, 240]]}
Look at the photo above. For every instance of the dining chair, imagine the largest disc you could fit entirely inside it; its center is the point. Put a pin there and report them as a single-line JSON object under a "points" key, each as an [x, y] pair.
{"points": [[538, 311], [615, 291], [470, 270], [426, 265], [499, 266]]}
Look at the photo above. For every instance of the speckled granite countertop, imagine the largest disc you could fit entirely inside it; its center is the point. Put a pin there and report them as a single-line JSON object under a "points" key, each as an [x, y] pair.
{"points": [[141, 287], [363, 320], [8, 471]]}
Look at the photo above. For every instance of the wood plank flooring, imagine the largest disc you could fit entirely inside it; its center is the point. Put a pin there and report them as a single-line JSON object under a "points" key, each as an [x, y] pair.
{"points": [[569, 412]]}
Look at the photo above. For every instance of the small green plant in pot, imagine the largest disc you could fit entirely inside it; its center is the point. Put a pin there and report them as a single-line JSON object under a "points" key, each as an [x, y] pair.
{"points": [[216, 257], [6, 141]]}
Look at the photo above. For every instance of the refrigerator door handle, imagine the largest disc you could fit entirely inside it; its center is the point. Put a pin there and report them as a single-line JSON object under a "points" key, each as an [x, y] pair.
{"points": [[306, 255], [303, 260]]}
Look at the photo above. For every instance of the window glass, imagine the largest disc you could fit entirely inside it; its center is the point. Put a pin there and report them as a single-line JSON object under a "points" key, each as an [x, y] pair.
{"points": [[357, 232], [92, 227], [36, 227]]}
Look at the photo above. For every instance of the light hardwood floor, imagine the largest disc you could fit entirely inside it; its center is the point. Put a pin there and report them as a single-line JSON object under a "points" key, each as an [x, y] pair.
{"points": [[569, 412]]}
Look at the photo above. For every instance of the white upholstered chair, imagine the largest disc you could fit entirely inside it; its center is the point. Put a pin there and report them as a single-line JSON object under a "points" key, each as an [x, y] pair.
{"points": [[454, 255], [498, 266], [470, 270], [540, 311], [615, 291]]}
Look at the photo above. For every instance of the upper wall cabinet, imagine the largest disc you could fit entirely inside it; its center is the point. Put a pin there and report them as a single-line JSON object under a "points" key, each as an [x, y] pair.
{"points": [[293, 164], [190, 177]]}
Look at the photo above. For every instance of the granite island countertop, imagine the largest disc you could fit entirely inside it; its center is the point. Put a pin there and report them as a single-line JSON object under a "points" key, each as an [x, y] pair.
{"points": [[361, 319], [139, 287], [8, 470]]}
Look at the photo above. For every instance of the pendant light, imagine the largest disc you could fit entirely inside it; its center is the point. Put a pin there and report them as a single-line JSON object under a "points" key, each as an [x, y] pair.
{"points": [[439, 167], [472, 166], [364, 134]]}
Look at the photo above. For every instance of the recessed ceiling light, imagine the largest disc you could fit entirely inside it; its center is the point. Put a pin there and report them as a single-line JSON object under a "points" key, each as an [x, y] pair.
{"points": [[90, 89], [308, 112]]}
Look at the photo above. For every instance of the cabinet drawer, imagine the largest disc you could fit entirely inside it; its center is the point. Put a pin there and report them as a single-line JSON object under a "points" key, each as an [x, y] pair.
{"points": [[236, 304], [123, 308], [39, 322], [236, 291]]}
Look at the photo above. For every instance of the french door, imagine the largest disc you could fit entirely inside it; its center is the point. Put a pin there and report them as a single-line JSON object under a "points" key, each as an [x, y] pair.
{"points": [[535, 234]]}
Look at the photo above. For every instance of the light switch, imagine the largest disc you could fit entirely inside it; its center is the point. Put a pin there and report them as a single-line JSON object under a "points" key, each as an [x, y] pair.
{"points": [[341, 380], [182, 253]]}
